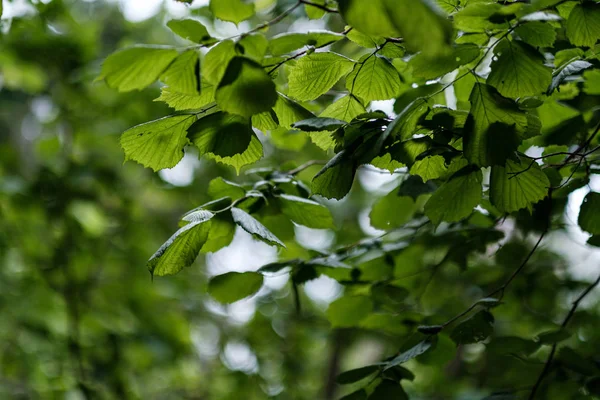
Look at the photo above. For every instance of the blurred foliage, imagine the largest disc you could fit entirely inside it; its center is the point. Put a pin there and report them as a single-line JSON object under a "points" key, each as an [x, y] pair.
{"points": [[441, 247]]}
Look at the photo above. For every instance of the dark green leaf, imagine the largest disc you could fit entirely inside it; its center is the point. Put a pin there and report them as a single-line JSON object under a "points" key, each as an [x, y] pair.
{"points": [[355, 375], [475, 329], [569, 69], [411, 353], [348, 311], [589, 214], [553, 336], [388, 389], [233, 286], [583, 25], [318, 124], [517, 185], [537, 33], [306, 212], [253, 227]]}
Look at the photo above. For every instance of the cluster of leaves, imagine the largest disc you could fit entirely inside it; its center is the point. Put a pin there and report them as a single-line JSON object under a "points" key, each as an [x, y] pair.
{"points": [[475, 86]]}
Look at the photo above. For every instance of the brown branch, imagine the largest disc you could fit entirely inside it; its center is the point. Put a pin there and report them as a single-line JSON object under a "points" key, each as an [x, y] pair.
{"points": [[550, 358], [319, 6]]}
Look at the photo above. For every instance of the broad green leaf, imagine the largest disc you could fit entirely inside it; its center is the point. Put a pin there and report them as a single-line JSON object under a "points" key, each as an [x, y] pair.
{"points": [[392, 211], [392, 50], [402, 153], [405, 124], [413, 186], [315, 12], [364, 40], [495, 126], [355, 375], [567, 70], [246, 89], [183, 75], [432, 67], [388, 389], [518, 70], [219, 187], [255, 228], [181, 101], [234, 11], [306, 212], [348, 311], [537, 33], [233, 286], [374, 78], [190, 29], [228, 138], [288, 42], [265, 121], [222, 230], [475, 329], [289, 112], [346, 109], [136, 67], [589, 214], [335, 180], [476, 17], [253, 46], [370, 17], [319, 124], [517, 185], [591, 84], [157, 144], [512, 345], [411, 353], [315, 74], [217, 60], [455, 199], [182, 248], [583, 24], [553, 336], [428, 168]]}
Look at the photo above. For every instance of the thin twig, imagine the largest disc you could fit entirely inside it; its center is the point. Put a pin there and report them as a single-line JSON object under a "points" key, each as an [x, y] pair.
{"points": [[550, 358], [319, 6], [306, 165]]}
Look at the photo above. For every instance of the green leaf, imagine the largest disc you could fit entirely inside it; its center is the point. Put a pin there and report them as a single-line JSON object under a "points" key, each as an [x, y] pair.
{"points": [[537, 33], [583, 24], [233, 286], [255, 228], [428, 168], [217, 60], [495, 126], [511, 345], [234, 11], [413, 186], [370, 17], [246, 89], [265, 121], [432, 67], [219, 188], [222, 230], [567, 70], [182, 101], [405, 124], [474, 329], [306, 212], [315, 12], [360, 394], [382, 217], [475, 17], [289, 112], [517, 185], [388, 390], [190, 29], [136, 67], [411, 353], [373, 78], [335, 180], [288, 42], [182, 248], [518, 70], [315, 74], [455, 199], [553, 336], [228, 138], [319, 124], [364, 40], [589, 214], [346, 109], [184, 73], [157, 144], [591, 84], [355, 375], [253, 46], [348, 311]]}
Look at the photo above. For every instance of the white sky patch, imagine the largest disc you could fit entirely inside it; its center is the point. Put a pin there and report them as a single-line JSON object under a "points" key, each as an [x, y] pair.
{"points": [[323, 290], [238, 356], [316, 239], [183, 173], [139, 10], [387, 106]]}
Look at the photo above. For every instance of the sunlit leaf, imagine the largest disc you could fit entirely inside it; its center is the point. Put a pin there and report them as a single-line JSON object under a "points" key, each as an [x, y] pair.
{"points": [[233, 286]]}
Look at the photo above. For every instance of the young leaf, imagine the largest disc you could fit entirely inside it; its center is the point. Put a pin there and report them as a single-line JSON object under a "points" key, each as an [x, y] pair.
{"points": [[319, 124], [234, 11], [355, 375], [428, 168], [589, 214], [182, 101], [233, 286], [184, 73], [517, 185], [583, 25], [364, 40], [288, 42], [306, 212], [157, 144], [348, 311], [346, 109], [519, 70], [245, 89], [182, 248], [217, 60], [253, 227], [190, 29], [373, 78], [228, 138], [315, 74], [136, 67], [474, 329]]}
